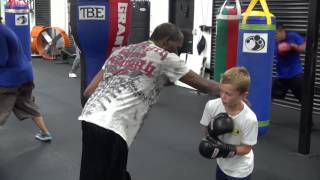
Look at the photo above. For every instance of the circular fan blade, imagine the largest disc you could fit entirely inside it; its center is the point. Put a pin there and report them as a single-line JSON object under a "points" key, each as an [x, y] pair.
{"points": [[46, 36], [51, 41]]}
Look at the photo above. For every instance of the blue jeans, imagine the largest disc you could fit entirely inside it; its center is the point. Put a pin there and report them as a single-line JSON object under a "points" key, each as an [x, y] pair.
{"points": [[222, 176]]}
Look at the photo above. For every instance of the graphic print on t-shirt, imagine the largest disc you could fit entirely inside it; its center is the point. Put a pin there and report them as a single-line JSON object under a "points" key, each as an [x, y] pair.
{"points": [[128, 75], [132, 80]]}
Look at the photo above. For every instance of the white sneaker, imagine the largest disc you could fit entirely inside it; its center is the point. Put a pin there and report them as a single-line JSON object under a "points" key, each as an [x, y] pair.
{"points": [[72, 75]]}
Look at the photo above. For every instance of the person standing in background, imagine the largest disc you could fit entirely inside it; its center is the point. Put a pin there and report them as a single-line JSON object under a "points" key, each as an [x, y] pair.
{"points": [[76, 63], [288, 64], [16, 84]]}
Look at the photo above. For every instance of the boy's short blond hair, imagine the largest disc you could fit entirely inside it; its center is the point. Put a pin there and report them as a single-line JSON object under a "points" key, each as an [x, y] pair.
{"points": [[239, 77]]}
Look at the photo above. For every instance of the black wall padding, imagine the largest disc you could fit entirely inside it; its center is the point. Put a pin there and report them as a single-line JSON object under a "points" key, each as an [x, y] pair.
{"points": [[42, 12], [181, 13], [140, 24]]}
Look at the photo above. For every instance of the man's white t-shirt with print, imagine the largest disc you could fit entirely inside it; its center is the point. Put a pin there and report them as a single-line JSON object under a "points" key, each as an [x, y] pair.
{"points": [[245, 132], [133, 78]]}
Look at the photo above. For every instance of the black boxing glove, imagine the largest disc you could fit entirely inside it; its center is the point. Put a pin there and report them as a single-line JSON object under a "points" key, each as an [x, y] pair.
{"points": [[211, 149], [221, 124]]}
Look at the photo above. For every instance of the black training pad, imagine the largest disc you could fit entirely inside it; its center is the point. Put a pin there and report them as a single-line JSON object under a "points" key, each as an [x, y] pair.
{"points": [[166, 148]]}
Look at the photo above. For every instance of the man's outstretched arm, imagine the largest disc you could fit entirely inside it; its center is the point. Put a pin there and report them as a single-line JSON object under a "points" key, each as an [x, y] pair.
{"points": [[196, 81]]}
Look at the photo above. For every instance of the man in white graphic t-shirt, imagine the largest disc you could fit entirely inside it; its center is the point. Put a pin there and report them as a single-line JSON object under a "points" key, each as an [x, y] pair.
{"points": [[121, 95]]}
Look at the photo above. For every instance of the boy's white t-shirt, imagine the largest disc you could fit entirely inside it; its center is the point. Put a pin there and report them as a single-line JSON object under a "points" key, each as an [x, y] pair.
{"points": [[133, 78], [245, 132]]}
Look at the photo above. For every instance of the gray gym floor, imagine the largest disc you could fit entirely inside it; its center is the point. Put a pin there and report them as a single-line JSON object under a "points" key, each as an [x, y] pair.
{"points": [[166, 148]]}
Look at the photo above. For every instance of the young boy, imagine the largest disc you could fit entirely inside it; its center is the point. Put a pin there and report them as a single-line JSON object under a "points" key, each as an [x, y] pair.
{"points": [[234, 85]]}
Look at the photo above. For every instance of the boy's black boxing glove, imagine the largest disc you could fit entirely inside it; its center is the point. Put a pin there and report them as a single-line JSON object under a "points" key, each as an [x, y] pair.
{"points": [[211, 146], [212, 149], [221, 124]]}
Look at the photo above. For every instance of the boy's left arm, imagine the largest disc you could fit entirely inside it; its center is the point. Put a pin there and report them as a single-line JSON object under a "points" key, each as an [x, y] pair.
{"points": [[211, 148], [243, 149], [248, 137]]}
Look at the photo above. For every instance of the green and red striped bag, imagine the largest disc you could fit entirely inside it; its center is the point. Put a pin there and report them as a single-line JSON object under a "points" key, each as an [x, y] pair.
{"points": [[226, 38]]}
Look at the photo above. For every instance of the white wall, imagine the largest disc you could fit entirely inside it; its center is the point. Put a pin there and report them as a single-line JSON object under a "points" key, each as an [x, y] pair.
{"points": [[159, 13], [59, 14], [202, 16], [2, 3]]}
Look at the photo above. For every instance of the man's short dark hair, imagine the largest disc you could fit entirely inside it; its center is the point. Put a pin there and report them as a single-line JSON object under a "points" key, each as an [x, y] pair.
{"points": [[0, 19], [167, 30]]}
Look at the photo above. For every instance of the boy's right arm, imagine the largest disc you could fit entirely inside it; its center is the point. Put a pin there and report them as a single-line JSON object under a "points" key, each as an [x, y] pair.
{"points": [[204, 130]]}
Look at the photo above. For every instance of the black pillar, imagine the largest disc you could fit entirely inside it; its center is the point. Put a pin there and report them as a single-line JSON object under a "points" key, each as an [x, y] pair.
{"points": [[309, 78]]}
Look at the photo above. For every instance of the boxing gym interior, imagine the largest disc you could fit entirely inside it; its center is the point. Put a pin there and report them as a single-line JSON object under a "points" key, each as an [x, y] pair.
{"points": [[288, 147]]}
